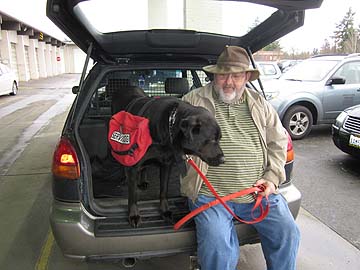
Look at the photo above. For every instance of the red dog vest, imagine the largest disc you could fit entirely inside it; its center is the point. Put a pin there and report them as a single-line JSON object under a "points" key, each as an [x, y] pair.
{"points": [[129, 137]]}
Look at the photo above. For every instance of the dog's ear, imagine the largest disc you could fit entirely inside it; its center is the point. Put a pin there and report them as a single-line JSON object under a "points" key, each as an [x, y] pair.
{"points": [[190, 126]]}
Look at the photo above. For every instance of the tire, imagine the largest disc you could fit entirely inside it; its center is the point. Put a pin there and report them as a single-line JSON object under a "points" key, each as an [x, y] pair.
{"points": [[14, 89], [298, 121]]}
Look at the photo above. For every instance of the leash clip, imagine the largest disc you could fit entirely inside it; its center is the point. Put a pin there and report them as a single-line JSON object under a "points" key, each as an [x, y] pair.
{"points": [[188, 157], [261, 187]]}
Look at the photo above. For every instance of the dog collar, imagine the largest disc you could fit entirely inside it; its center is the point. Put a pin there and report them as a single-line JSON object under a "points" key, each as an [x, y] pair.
{"points": [[172, 119]]}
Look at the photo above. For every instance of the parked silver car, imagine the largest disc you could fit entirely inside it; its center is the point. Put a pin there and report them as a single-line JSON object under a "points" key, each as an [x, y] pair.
{"points": [[315, 91]]}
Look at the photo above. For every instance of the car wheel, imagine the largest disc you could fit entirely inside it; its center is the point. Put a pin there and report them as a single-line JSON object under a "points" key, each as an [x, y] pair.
{"points": [[14, 89], [298, 122]]}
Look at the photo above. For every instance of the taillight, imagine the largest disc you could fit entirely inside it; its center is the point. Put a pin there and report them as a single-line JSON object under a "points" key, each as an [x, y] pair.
{"points": [[290, 149], [65, 161]]}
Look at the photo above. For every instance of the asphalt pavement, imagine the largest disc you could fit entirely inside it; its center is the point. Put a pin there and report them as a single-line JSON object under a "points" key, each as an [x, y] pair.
{"points": [[28, 243]]}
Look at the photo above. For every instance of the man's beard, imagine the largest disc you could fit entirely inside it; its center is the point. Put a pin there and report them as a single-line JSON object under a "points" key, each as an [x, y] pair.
{"points": [[229, 98]]}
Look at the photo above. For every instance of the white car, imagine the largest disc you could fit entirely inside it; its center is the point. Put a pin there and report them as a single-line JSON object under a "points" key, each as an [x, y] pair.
{"points": [[8, 81], [268, 70]]}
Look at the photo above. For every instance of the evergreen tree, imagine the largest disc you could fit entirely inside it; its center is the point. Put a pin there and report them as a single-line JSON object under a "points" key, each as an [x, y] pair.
{"points": [[275, 46], [345, 35]]}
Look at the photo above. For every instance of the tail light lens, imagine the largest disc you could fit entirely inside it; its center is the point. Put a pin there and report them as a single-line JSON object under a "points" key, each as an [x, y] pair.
{"points": [[65, 161], [290, 149]]}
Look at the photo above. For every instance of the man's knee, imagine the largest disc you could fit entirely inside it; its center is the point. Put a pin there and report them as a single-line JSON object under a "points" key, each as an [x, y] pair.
{"points": [[214, 230]]}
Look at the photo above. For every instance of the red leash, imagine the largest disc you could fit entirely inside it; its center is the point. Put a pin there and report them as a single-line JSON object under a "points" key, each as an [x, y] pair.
{"points": [[222, 200]]}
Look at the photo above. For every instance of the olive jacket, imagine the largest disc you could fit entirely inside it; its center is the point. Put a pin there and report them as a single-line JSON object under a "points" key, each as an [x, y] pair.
{"points": [[273, 138]]}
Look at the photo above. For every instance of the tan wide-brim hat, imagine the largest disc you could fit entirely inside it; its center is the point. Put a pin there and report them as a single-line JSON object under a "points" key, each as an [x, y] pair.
{"points": [[233, 59]]}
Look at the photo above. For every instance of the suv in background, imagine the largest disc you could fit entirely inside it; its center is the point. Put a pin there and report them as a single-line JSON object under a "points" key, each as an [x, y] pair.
{"points": [[315, 91], [89, 217]]}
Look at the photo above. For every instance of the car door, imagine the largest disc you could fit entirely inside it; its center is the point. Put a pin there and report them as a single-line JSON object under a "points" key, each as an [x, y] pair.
{"points": [[338, 97]]}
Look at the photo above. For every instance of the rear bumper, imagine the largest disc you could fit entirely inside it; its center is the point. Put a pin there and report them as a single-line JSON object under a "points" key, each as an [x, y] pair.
{"points": [[74, 232]]}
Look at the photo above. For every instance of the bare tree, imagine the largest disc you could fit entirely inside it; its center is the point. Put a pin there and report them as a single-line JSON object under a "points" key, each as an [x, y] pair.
{"points": [[325, 48]]}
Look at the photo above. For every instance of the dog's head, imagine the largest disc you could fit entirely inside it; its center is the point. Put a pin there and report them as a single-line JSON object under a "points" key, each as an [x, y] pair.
{"points": [[201, 137]]}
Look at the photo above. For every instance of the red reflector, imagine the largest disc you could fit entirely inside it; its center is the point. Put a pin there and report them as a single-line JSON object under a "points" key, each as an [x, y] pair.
{"points": [[65, 161], [290, 150]]}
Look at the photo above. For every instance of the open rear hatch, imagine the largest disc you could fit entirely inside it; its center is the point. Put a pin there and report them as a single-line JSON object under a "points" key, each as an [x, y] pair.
{"points": [[77, 19]]}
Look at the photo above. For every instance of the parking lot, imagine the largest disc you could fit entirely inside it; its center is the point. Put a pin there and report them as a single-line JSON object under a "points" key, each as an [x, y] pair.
{"points": [[31, 123]]}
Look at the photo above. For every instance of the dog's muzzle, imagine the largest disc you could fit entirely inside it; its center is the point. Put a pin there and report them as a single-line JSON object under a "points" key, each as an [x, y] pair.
{"points": [[216, 161]]}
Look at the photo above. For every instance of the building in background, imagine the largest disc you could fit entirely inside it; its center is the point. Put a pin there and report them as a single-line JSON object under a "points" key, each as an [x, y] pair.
{"points": [[33, 54]]}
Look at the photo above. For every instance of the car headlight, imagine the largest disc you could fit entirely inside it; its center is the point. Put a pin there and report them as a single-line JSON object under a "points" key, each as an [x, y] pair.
{"points": [[271, 95], [340, 119]]}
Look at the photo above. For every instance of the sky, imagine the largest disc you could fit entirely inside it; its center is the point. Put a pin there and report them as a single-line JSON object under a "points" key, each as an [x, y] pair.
{"points": [[319, 23]]}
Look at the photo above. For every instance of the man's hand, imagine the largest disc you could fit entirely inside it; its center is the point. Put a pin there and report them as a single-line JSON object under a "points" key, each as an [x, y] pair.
{"points": [[270, 187]]}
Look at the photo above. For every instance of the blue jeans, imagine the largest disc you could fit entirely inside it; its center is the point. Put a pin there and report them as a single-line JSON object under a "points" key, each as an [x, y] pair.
{"points": [[218, 245]]}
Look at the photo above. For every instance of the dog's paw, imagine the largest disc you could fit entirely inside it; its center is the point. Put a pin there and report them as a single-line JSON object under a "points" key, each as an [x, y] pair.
{"points": [[135, 221], [165, 212], [168, 217], [143, 185], [134, 216]]}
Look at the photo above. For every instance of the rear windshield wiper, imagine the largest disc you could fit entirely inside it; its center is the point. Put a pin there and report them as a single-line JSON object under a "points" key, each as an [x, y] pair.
{"points": [[295, 80]]}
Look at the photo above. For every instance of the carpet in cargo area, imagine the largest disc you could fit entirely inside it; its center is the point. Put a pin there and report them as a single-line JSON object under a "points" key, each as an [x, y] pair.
{"points": [[109, 180]]}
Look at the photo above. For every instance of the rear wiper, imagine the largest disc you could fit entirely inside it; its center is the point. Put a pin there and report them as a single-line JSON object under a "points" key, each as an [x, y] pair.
{"points": [[295, 80]]}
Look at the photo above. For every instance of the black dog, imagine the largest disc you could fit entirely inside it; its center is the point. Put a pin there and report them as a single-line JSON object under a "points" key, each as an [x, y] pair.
{"points": [[176, 128]]}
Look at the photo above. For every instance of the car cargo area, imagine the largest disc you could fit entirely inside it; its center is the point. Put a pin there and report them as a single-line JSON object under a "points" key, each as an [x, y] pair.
{"points": [[109, 191]]}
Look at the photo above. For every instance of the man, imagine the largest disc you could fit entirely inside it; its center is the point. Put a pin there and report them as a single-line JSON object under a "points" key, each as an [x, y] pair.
{"points": [[254, 144]]}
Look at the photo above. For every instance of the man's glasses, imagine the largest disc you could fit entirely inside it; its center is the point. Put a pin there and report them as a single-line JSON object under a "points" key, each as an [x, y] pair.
{"points": [[234, 76]]}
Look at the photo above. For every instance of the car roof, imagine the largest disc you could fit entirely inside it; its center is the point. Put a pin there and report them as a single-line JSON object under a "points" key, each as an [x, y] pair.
{"points": [[266, 62], [336, 57], [118, 46]]}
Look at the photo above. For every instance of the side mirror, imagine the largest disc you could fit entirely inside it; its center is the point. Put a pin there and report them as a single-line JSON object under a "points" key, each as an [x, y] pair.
{"points": [[336, 80], [75, 89]]}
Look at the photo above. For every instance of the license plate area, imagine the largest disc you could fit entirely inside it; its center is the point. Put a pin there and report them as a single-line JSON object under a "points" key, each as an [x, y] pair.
{"points": [[354, 141]]}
